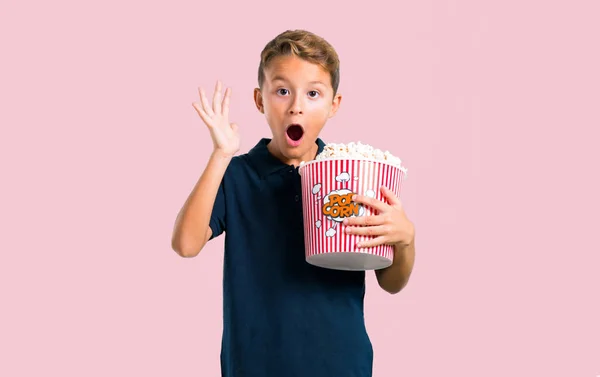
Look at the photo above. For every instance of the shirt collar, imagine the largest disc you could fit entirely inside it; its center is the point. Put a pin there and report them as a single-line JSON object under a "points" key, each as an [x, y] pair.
{"points": [[265, 163]]}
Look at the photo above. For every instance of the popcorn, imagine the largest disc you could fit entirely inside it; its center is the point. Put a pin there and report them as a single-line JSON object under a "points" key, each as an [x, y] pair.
{"points": [[358, 151]]}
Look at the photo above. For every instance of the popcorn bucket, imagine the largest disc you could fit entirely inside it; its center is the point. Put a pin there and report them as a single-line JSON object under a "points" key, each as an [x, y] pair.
{"points": [[327, 189]]}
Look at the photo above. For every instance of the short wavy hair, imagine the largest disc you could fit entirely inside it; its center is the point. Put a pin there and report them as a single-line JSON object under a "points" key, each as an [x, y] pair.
{"points": [[305, 45]]}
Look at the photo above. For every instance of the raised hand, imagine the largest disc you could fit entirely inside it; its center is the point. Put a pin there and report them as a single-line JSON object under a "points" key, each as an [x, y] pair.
{"points": [[225, 135]]}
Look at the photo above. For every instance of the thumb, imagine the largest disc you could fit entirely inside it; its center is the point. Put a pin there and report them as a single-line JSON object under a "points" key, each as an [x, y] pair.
{"points": [[234, 127]]}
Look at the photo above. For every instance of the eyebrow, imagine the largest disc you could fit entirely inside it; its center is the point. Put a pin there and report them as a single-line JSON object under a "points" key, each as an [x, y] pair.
{"points": [[281, 78]]}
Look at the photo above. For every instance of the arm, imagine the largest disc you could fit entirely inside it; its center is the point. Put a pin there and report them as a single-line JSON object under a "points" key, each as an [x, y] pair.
{"points": [[192, 226], [395, 277], [390, 226], [192, 230]]}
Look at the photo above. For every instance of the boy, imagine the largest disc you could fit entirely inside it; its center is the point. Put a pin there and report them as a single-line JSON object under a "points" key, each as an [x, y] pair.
{"points": [[282, 316]]}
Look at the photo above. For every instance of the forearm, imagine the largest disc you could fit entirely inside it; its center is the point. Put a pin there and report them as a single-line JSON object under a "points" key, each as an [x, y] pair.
{"points": [[395, 277], [191, 230]]}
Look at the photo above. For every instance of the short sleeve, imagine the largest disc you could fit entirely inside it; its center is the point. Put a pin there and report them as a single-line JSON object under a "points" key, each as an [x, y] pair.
{"points": [[217, 218]]}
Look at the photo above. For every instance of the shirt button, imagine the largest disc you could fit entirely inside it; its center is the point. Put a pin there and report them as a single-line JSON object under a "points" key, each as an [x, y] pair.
{"points": [[297, 198]]}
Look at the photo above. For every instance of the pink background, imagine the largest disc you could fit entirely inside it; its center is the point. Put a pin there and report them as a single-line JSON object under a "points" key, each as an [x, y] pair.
{"points": [[493, 107]]}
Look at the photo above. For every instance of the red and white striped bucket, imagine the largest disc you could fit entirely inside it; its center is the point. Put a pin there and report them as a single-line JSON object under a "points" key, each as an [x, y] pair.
{"points": [[327, 189]]}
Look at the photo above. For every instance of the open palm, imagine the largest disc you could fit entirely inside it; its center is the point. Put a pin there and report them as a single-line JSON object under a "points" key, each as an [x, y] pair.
{"points": [[225, 135]]}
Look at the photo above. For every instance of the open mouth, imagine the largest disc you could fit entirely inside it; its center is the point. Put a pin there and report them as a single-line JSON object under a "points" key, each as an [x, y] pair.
{"points": [[295, 132]]}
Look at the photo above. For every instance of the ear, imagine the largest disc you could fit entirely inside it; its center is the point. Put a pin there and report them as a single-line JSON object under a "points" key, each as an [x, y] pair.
{"points": [[335, 105], [258, 100]]}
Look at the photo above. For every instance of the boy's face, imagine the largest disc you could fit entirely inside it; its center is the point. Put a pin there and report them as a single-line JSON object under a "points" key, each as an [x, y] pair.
{"points": [[297, 100]]}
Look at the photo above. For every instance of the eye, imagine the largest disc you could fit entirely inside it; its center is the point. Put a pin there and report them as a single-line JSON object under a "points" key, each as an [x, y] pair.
{"points": [[313, 94], [282, 90]]}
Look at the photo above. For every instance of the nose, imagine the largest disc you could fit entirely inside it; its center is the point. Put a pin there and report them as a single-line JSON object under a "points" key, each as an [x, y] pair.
{"points": [[296, 107]]}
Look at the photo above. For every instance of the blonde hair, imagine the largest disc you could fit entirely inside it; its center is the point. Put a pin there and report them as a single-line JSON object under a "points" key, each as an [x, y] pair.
{"points": [[305, 45]]}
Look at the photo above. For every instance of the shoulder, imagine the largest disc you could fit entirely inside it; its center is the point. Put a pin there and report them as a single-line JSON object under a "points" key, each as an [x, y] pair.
{"points": [[251, 161], [239, 163], [240, 170]]}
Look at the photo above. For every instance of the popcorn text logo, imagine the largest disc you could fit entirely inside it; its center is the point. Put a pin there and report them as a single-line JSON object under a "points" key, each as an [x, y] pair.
{"points": [[338, 205]]}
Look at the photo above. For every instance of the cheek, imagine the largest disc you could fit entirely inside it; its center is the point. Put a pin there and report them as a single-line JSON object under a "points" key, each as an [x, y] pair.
{"points": [[274, 104], [319, 110]]}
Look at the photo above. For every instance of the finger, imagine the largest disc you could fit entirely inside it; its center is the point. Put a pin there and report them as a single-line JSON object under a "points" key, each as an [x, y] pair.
{"points": [[226, 102], [390, 196], [201, 112], [371, 202], [217, 98], [234, 127], [381, 240], [364, 220], [379, 230], [205, 106]]}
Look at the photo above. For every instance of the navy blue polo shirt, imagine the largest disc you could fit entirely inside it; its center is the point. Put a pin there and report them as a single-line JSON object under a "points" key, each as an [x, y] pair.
{"points": [[281, 315]]}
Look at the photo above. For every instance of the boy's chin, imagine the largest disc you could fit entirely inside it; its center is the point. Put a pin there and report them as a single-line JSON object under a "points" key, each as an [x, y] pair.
{"points": [[300, 146], [295, 150], [300, 152]]}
